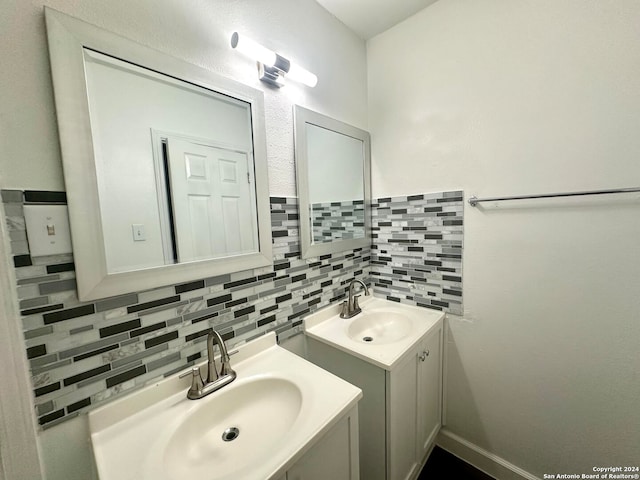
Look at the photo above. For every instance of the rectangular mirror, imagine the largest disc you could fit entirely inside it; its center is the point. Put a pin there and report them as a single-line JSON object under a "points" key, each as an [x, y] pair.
{"points": [[333, 175], [164, 164]]}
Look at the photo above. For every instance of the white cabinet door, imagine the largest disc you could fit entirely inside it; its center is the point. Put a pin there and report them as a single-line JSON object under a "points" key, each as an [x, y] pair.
{"points": [[429, 391], [403, 419], [415, 394], [334, 457]]}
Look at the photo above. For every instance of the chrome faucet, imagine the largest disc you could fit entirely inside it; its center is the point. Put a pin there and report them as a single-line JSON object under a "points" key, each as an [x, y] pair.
{"points": [[350, 306], [215, 380]]}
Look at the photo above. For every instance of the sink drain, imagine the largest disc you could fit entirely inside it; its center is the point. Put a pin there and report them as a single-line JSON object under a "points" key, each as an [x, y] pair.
{"points": [[367, 339], [230, 434]]}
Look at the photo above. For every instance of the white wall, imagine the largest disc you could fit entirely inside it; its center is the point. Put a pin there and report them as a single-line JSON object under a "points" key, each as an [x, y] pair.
{"points": [[515, 97], [197, 31]]}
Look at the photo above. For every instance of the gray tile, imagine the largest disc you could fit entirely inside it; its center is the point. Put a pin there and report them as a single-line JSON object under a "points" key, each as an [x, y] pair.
{"points": [[75, 331], [457, 193], [44, 408], [33, 302], [89, 347], [36, 370], [217, 280], [176, 370], [32, 322], [38, 332], [48, 425], [14, 210], [162, 308], [41, 279], [15, 223], [161, 362], [116, 302], [203, 313], [131, 359], [19, 248], [299, 308], [17, 235], [44, 360], [58, 286], [228, 326], [282, 282], [108, 374], [11, 196], [174, 321]]}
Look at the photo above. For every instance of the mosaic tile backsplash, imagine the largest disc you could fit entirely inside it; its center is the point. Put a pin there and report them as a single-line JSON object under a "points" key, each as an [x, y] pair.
{"points": [[83, 354], [416, 256], [337, 220]]}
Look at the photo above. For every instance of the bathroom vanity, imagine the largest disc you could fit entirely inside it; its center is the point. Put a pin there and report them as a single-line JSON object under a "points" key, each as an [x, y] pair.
{"points": [[280, 419], [393, 352]]}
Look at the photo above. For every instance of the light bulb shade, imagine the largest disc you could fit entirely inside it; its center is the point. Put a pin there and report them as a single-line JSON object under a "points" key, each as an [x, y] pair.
{"points": [[302, 75], [253, 50]]}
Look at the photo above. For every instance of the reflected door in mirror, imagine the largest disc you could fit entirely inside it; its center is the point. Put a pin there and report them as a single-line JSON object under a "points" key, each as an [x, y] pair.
{"points": [[173, 158]]}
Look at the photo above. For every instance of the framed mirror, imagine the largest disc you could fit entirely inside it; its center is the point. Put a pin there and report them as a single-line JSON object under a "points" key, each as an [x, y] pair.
{"points": [[333, 175], [164, 164]]}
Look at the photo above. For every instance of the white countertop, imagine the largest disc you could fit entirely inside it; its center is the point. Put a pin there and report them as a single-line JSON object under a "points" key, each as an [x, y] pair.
{"points": [[326, 326], [131, 435]]}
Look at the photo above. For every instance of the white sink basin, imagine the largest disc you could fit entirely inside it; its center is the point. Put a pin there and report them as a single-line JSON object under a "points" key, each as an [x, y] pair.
{"points": [[382, 334], [379, 327], [217, 436], [279, 403]]}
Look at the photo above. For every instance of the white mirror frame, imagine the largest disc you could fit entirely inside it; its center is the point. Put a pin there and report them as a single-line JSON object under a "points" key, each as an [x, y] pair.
{"points": [[67, 38], [302, 117]]}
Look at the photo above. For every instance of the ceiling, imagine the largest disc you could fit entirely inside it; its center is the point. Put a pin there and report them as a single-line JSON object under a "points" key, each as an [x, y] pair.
{"points": [[368, 18]]}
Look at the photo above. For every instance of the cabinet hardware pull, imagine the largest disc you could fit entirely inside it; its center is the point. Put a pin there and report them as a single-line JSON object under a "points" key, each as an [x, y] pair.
{"points": [[424, 355]]}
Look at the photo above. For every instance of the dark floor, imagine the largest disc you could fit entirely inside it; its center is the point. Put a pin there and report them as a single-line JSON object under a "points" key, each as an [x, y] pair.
{"points": [[443, 465]]}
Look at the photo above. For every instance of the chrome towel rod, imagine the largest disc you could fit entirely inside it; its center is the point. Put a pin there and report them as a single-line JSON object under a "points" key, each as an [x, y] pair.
{"points": [[473, 201]]}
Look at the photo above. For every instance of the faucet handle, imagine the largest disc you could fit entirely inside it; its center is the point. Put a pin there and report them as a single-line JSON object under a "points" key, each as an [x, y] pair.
{"points": [[196, 380]]}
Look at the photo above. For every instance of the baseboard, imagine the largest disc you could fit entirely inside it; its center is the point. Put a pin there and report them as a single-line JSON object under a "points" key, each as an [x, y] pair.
{"points": [[480, 458]]}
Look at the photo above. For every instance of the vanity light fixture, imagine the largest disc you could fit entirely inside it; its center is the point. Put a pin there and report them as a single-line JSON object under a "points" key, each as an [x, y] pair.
{"points": [[273, 68]]}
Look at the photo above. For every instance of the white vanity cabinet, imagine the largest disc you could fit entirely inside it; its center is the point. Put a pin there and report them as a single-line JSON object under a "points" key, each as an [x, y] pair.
{"points": [[414, 390], [400, 412]]}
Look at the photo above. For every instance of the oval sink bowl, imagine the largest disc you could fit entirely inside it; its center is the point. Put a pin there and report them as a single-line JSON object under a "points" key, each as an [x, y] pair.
{"points": [[379, 327], [231, 431]]}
